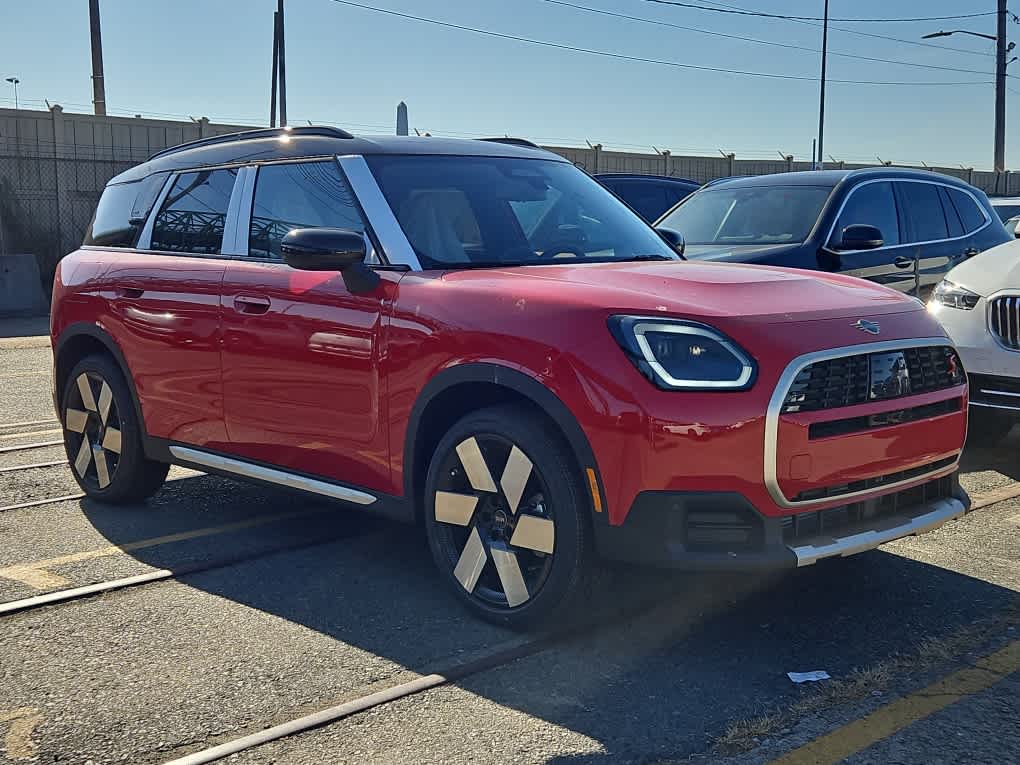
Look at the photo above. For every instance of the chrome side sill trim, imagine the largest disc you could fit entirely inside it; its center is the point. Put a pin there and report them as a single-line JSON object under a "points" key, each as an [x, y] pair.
{"points": [[776, 406], [941, 511], [995, 406], [271, 475]]}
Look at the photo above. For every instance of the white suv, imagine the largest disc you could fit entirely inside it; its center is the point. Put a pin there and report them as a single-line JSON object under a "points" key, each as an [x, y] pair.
{"points": [[978, 303]]}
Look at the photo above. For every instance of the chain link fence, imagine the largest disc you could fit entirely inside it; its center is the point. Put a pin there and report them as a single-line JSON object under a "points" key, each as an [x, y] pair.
{"points": [[53, 167]]}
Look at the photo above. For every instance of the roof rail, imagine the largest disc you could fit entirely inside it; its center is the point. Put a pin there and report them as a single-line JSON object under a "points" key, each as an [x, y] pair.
{"points": [[514, 142], [246, 135]]}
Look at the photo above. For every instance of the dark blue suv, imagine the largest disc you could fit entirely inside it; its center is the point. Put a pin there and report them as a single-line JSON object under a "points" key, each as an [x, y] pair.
{"points": [[902, 228], [648, 195]]}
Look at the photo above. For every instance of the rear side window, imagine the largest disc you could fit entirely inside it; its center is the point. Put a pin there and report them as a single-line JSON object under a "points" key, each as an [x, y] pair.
{"points": [[872, 204], [112, 226], [304, 195], [968, 210], [923, 211], [194, 213]]}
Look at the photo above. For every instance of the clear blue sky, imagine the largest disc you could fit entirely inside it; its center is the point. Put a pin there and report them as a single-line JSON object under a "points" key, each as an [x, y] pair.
{"points": [[350, 66]]}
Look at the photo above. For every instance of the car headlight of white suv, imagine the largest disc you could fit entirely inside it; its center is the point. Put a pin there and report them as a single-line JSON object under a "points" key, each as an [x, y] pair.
{"points": [[954, 296]]}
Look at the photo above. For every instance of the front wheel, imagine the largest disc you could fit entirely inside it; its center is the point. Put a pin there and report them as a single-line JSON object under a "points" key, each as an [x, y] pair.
{"points": [[506, 517]]}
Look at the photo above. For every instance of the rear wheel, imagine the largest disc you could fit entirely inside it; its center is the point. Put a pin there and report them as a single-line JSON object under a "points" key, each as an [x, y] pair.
{"points": [[988, 427], [102, 435], [506, 517]]}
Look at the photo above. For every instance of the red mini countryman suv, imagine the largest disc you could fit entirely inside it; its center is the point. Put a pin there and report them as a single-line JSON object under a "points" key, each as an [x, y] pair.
{"points": [[479, 336]]}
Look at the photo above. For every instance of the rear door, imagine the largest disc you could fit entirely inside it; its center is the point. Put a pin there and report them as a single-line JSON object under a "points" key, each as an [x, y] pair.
{"points": [[934, 231], [874, 203], [301, 353], [164, 297]]}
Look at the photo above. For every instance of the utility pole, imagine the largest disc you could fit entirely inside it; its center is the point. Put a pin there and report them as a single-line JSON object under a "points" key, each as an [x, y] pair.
{"points": [[821, 99], [1000, 90], [276, 63], [98, 83], [283, 67]]}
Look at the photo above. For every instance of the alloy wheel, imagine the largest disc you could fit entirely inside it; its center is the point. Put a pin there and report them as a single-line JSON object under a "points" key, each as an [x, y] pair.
{"points": [[93, 428], [498, 535]]}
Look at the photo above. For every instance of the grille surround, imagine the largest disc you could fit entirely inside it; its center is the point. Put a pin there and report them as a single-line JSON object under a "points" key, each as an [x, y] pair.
{"points": [[1004, 321], [774, 413]]}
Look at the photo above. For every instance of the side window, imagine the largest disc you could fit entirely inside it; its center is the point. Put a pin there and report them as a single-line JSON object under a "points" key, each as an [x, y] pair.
{"points": [[194, 212], [304, 195], [952, 217], [969, 212], [923, 210], [872, 204], [112, 224]]}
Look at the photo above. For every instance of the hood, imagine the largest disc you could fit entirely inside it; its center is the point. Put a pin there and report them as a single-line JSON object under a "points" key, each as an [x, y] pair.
{"points": [[693, 289], [993, 270], [743, 253]]}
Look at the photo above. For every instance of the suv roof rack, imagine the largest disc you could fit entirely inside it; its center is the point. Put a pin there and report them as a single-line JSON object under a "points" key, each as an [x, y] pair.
{"points": [[246, 135], [513, 142]]}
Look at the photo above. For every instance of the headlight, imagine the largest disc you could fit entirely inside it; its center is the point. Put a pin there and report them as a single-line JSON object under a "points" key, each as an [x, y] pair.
{"points": [[683, 355], [954, 296]]}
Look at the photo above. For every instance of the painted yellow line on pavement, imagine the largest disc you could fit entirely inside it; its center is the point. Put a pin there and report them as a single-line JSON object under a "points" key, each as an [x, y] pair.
{"points": [[48, 432], [38, 576], [900, 714], [33, 373], [18, 741], [1009, 491]]}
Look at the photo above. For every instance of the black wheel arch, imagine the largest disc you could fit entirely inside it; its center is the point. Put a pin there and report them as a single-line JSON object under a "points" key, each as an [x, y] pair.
{"points": [[76, 342], [517, 385]]}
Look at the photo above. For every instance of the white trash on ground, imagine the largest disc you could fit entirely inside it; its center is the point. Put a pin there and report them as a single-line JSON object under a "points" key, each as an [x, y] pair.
{"points": [[808, 677]]}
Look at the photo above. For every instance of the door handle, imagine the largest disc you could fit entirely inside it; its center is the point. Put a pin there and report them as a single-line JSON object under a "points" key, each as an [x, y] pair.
{"points": [[130, 292], [970, 252], [903, 262], [251, 304]]}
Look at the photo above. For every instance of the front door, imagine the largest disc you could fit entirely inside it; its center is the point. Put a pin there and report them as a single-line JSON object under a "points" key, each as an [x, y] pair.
{"points": [[301, 353], [893, 264]]}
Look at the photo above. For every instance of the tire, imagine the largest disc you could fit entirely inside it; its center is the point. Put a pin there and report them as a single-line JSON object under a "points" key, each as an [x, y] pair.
{"points": [[494, 468], [102, 435], [987, 428]]}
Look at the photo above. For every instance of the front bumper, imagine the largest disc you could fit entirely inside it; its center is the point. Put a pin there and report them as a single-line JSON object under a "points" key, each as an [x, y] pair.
{"points": [[719, 531]]}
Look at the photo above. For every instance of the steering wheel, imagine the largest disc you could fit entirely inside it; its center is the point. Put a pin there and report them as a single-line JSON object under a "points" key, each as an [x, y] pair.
{"points": [[556, 248]]}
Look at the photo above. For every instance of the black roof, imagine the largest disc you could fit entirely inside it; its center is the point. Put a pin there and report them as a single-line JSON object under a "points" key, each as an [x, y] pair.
{"points": [[831, 178], [277, 143]]}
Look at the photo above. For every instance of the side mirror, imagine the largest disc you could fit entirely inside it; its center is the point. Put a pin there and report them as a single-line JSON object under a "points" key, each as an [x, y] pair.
{"points": [[858, 237], [673, 238], [330, 249]]}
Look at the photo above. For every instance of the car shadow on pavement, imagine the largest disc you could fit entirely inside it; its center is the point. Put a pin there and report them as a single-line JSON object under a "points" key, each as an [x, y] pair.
{"points": [[661, 683], [1002, 457]]}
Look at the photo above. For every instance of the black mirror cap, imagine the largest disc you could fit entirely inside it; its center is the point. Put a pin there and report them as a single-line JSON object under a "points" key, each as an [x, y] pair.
{"points": [[322, 249], [330, 249], [859, 237], [673, 238]]}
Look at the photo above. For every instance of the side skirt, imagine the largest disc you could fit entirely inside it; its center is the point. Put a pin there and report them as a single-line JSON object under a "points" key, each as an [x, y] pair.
{"points": [[218, 463]]}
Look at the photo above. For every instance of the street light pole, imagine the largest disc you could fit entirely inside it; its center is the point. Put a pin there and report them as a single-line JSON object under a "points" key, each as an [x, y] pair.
{"points": [[1000, 90], [821, 98], [14, 81], [1002, 51]]}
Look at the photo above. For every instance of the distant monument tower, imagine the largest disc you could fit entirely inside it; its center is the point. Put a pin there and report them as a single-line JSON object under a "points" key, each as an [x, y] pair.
{"points": [[401, 118]]}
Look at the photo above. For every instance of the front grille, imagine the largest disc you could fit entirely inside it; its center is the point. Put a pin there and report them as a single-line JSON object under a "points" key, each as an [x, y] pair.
{"points": [[812, 524], [866, 484], [1005, 312], [852, 380], [883, 419]]}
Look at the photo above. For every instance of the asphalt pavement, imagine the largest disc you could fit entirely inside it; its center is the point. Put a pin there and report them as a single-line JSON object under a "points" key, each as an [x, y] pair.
{"points": [[293, 606]]}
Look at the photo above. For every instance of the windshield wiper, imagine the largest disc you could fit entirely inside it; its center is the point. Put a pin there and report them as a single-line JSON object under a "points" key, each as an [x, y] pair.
{"points": [[648, 256]]}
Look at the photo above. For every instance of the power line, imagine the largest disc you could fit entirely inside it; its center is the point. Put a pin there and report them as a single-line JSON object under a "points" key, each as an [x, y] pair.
{"points": [[641, 59], [764, 14], [757, 40], [915, 43]]}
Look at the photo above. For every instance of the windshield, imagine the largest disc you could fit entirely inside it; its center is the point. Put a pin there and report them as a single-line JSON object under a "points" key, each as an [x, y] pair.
{"points": [[748, 215], [463, 212]]}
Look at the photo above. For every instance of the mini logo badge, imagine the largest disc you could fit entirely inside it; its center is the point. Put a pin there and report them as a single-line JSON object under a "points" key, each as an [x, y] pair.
{"points": [[871, 327]]}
